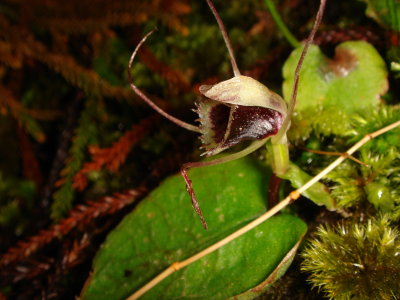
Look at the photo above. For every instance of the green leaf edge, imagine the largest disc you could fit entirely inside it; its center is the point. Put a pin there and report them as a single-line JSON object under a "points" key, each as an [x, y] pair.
{"points": [[279, 271]]}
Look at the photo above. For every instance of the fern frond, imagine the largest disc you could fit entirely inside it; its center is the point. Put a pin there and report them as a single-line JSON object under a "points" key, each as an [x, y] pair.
{"points": [[78, 218], [114, 156], [26, 45], [172, 76], [21, 114], [60, 19], [85, 134], [8, 56]]}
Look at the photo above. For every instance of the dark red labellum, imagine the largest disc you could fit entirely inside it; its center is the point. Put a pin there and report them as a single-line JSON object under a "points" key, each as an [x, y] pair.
{"points": [[225, 125]]}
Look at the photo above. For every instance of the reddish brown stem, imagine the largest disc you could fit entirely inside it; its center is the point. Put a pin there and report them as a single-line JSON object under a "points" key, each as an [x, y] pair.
{"points": [[146, 99], [190, 190], [235, 68], [273, 190], [249, 149], [30, 164]]}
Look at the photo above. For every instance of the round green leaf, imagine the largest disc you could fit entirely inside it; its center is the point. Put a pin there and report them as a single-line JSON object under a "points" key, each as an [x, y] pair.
{"points": [[164, 229], [353, 80]]}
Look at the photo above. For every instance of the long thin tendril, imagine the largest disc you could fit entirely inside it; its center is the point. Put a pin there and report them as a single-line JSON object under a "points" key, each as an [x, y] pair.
{"points": [[235, 68], [293, 98], [147, 99]]}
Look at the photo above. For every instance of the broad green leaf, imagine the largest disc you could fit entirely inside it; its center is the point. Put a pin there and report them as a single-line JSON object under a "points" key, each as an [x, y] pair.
{"points": [[277, 273], [352, 81], [164, 229]]}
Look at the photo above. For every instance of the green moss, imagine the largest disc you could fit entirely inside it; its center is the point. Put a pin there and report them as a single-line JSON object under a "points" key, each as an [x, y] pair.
{"points": [[376, 182], [355, 261]]}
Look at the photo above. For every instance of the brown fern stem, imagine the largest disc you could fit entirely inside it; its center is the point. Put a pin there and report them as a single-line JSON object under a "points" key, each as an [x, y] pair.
{"points": [[30, 164], [71, 118], [78, 217], [18, 263], [172, 76], [113, 157]]}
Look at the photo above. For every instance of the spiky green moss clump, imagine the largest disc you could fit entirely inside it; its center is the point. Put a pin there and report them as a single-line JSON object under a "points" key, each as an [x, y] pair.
{"points": [[378, 181], [355, 261]]}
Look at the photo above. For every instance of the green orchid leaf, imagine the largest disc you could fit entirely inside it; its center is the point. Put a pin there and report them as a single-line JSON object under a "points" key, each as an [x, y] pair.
{"points": [[352, 81], [164, 229], [277, 273]]}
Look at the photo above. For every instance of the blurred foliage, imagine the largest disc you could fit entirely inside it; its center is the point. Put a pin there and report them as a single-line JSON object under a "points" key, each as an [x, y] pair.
{"points": [[50, 54], [86, 133], [16, 198], [64, 91], [386, 13]]}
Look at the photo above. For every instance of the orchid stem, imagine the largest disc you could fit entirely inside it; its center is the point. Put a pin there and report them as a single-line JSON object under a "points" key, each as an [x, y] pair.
{"points": [[279, 153]]}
